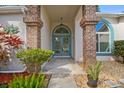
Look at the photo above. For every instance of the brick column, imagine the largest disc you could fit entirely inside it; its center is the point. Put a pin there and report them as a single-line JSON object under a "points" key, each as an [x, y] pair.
{"points": [[33, 26], [88, 24]]}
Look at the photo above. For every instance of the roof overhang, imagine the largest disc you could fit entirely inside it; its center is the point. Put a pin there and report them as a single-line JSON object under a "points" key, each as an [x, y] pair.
{"points": [[67, 12], [110, 14], [11, 9]]}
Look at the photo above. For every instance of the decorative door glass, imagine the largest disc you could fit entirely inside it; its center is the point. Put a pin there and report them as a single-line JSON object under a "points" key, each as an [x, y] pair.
{"points": [[61, 42]]}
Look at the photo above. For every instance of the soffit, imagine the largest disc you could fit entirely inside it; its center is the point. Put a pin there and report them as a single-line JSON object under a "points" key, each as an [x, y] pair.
{"points": [[55, 12]]}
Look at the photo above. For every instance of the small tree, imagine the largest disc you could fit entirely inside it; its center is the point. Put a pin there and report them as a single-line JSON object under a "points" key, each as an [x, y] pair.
{"points": [[119, 49]]}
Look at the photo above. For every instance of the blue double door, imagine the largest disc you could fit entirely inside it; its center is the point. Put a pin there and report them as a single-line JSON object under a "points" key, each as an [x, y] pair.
{"points": [[62, 45]]}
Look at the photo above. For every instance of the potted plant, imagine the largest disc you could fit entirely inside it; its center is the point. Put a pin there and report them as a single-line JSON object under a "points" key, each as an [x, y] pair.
{"points": [[93, 74], [33, 58]]}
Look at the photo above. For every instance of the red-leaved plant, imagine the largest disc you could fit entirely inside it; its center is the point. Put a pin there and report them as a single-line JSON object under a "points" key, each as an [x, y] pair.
{"points": [[7, 43], [14, 41]]}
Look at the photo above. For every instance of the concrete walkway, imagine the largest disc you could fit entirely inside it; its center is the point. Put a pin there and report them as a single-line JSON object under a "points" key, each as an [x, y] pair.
{"points": [[62, 71], [62, 81], [62, 66]]}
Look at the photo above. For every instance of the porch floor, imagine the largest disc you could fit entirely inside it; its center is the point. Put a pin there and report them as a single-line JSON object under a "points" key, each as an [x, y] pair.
{"points": [[62, 66], [62, 71]]}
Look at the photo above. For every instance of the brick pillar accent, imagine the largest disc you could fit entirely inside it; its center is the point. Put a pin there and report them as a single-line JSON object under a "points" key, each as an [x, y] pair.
{"points": [[88, 23], [33, 26]]}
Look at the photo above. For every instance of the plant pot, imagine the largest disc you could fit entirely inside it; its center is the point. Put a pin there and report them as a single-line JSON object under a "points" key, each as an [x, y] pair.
{"points": [[92, 83], [90, 78], [33, 67]]}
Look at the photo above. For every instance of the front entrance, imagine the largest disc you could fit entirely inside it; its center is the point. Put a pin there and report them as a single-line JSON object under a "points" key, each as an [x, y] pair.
{"points": [[62, 41]]}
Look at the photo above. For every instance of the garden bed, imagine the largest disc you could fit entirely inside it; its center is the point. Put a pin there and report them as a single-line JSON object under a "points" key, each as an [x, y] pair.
{"points": [[6, 78], [110, 71]]}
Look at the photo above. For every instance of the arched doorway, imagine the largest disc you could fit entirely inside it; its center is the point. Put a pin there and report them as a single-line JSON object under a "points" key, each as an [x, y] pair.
{"points": [[61, 41]]}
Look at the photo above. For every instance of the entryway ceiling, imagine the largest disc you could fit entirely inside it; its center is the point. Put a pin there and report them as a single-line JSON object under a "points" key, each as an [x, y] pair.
{"points": [[55, 12]]}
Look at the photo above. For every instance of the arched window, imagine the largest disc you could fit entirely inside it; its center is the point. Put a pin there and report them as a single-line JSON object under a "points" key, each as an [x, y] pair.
{"points": [[61, 31], [104, 37]]}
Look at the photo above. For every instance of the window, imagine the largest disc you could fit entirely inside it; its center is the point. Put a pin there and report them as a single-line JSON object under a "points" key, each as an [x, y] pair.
{"points": [[103, 38], [61, 30]]}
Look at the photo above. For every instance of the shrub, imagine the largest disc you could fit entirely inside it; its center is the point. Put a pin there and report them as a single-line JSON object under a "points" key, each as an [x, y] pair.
{"points": [[94, 71], [33, 58], [119, 49], [31, 81], [34, 55]]}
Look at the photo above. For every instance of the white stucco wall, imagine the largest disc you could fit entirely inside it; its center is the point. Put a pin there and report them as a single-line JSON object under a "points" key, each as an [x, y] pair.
{"points": [[45, 30], [120, 29], [78, 37]]}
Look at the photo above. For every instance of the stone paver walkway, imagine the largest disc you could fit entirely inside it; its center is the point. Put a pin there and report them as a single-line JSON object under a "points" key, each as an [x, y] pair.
{"points": [[62, 71]]}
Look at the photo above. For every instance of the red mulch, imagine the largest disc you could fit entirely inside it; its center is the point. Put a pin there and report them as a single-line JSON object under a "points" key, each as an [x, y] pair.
{"points": [[7, 77]]}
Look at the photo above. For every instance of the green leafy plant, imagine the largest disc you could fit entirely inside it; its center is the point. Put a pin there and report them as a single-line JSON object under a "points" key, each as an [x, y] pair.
{"points": [[31, 81], [119, 49], [34, 55], [33, 58], [11, 29], [94, 71]]}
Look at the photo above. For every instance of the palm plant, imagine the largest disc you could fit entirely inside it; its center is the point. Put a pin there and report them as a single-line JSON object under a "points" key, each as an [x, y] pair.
{"points": [[93, 74], [94, 71]]}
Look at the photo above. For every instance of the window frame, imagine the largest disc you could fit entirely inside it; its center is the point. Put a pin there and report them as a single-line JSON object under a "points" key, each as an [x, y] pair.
{"points": [[110, 42]]}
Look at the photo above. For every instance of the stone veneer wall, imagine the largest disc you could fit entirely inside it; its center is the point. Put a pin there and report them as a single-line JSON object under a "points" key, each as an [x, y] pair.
{"points": [[88, 23], [33, 26]]}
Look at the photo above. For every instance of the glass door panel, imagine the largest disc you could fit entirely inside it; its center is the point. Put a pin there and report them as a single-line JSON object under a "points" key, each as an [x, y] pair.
{"points": [[65, 47], [61, 45], [57, 46]]}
